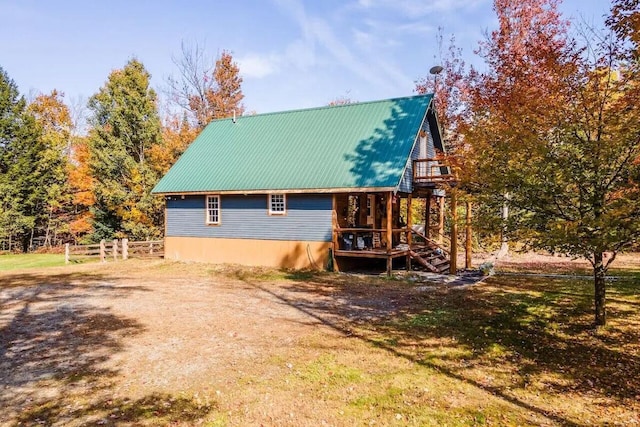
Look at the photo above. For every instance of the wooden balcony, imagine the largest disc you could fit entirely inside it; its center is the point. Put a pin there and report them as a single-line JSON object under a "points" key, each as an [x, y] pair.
{"points": [[429, 172]]}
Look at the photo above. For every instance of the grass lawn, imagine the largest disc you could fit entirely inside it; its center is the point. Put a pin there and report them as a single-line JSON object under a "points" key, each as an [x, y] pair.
{"points": [[23, 261], [158, 343]]}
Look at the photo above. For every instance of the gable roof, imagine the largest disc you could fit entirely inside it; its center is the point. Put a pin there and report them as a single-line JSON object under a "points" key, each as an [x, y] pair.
{"points": [[353, 146]]}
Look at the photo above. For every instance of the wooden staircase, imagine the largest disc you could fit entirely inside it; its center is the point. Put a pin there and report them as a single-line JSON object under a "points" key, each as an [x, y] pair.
{"points": [[429, 254]]}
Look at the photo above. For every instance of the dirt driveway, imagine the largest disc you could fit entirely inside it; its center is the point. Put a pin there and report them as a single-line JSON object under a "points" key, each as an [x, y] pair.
{"points": [[128, 342]]}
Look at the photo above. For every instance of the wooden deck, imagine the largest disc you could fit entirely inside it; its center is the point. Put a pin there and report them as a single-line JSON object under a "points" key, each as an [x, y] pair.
{"points": [[372, 253]]}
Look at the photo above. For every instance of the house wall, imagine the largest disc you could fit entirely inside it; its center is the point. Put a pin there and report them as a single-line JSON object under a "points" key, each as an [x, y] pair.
{"points": [[418, 152], [252, 252], [247, 234]]}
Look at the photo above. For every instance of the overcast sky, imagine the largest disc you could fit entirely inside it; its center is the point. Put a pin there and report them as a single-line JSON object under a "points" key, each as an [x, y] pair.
{"points": [[292, 53]]}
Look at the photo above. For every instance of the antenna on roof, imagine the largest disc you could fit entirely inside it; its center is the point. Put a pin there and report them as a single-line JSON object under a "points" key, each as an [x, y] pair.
{"points": [[234, 116], [435, 70]]}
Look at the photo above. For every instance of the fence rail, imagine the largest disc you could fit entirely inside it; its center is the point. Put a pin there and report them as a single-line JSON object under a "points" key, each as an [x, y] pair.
{"points": [[114, 249]]}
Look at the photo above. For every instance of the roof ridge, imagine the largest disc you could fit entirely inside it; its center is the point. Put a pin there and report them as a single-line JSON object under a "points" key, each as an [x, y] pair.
{"points": [[323, 107]]}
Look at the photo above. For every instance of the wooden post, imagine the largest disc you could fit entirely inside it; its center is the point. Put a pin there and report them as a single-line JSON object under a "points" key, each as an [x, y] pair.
{"points": [[103, 255], [115, 249], [389, 232], [334, 227], [467, 243], [125, 249], [409, 225], [427, 215], [453, 262], [362, 209], [66, 253], [440, 219]]}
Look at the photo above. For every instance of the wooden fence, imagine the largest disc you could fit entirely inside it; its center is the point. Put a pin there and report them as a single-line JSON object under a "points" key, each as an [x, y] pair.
{"points": [[114, 249]]}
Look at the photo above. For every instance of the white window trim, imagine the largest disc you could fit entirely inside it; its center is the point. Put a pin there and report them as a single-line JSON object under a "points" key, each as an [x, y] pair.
{"points": [[206, 212], [284, 202]]}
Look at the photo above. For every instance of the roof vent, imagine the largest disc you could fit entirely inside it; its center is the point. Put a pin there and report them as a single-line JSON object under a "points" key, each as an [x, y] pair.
{"points": [[234, 116]]}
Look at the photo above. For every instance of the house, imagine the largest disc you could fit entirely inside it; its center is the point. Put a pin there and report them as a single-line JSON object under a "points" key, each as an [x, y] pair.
{"points": [[312, 188]]}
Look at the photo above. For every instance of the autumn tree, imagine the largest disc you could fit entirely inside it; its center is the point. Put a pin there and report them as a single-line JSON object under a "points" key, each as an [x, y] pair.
{"points": [[448, 87], [81, 187], [177, 134], [206, 92], [556, 128], [54, 121], [526, 58], [124, 128], [624, 20], [340, 100]]}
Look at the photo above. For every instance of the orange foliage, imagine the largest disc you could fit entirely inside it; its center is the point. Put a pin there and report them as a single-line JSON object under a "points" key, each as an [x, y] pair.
{"points": [[81, 183], [177, 134]]}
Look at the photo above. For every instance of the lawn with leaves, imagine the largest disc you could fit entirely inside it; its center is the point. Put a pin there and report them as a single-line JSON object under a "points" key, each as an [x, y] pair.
{"points": [[156, 343]]}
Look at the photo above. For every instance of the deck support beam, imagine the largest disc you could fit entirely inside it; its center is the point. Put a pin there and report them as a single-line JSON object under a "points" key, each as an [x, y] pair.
{"points": [[409, 225], [334, 237], [440, 219], [389, 231], [453, 262], [427, 215], [467, 243]]}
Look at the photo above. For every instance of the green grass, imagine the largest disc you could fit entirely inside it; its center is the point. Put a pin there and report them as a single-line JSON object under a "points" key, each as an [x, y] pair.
{"points": [[25, 261]]}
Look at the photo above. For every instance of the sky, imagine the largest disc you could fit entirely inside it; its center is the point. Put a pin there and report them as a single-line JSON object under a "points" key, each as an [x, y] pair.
{"points": [[292, 53]]}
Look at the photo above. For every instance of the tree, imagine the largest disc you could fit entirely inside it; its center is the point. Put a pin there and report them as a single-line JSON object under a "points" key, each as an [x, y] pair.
{"points": [[177, 134], [205, 92], [526, 58], [448, 87], [124, 127], [28, 168], [341, 100], [54, 121], [81, 186], [556, 128], [625, 22]]}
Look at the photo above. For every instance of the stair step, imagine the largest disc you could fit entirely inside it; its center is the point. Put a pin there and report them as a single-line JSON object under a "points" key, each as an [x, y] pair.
{"points": [[443, 268], [439, 262]]}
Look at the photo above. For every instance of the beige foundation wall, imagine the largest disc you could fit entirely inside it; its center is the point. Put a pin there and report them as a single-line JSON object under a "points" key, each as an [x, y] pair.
{"points": [[265, 253]]}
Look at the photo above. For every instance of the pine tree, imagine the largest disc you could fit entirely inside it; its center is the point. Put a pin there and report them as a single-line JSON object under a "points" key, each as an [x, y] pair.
{"points": [[24, 171], [124, 127]]}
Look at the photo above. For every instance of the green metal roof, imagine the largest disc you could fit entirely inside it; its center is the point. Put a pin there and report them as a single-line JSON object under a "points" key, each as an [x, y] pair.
{"points": [[363, 145]]}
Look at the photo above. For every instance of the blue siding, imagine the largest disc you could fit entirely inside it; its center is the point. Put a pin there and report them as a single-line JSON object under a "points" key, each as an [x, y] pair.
{"points": [[406, 185], [308, 218]]}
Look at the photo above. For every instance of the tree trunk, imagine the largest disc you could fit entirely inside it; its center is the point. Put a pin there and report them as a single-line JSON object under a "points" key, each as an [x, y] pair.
{"points": [[599, 281], [504, 247]]}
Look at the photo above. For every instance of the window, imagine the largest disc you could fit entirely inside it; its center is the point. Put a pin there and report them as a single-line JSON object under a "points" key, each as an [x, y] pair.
{"points": [[213, 209], [277, 204]]}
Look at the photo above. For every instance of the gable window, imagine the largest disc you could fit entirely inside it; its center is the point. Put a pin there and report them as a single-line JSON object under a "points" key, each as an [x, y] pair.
{"points": [[277, 204], [213, 210]]}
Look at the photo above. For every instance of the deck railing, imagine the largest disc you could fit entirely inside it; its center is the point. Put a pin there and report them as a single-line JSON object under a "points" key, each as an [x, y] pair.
{"points": [[431, 170], [353, 239]]}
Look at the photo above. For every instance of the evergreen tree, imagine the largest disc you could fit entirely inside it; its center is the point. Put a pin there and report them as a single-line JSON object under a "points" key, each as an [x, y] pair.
{"points": [[24, 172], [124, 127]]}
